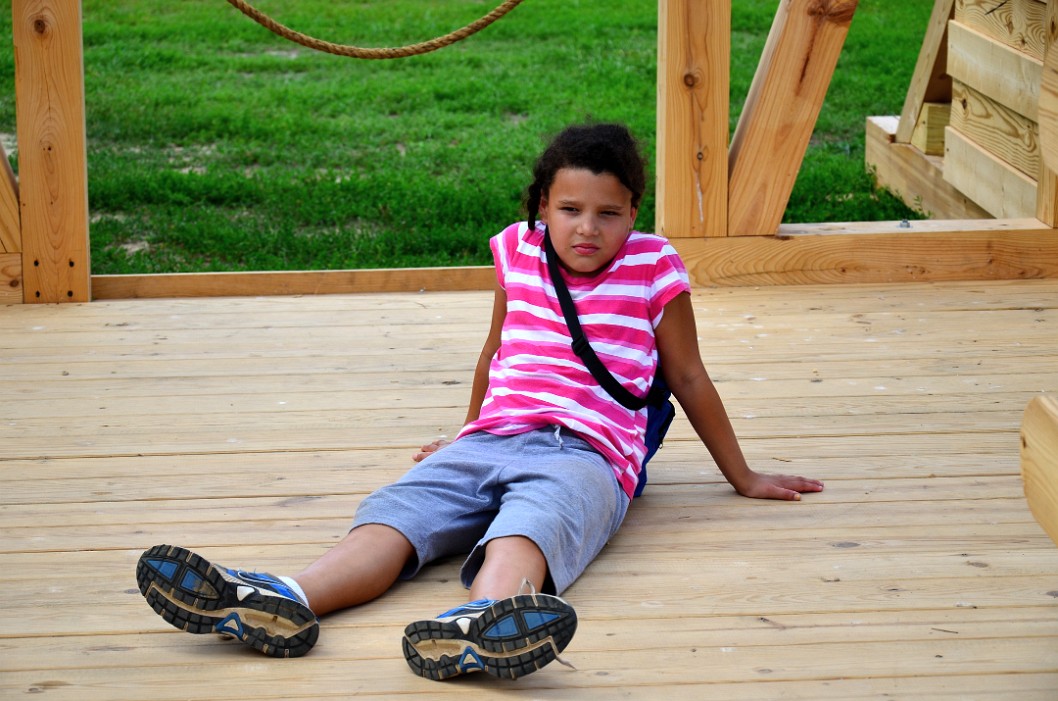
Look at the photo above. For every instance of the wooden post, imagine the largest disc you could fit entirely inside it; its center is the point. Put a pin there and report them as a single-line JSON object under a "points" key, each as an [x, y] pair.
{"points": [[930, 82], [694, 51], [1039, 461], [10, 235], [1047, 116], [781, 110], [10, 229], [53, 192]]}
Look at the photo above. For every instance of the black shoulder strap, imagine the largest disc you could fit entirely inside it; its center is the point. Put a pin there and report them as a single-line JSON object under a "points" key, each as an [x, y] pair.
{"points": [[581, 346]]}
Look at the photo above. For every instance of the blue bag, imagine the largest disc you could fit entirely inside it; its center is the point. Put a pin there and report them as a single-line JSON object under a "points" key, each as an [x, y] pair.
{"points": [[660, 413]]}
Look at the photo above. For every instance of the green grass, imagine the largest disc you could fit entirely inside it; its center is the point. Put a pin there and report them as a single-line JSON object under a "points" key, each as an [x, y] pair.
{"points": [[214, 145]]}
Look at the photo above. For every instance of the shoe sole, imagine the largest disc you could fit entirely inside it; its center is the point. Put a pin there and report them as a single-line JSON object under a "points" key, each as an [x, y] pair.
{"points": [[510, 639], [195, 596]]}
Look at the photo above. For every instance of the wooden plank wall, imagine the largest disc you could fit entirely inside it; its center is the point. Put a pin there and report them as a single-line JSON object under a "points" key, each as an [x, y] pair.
{"points": [[991, 55], [1015, 23], [995, 59]]}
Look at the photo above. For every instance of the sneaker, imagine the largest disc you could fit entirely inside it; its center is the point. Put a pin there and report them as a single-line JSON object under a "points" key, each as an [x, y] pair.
{"points": [[200, 597], [508, 638]]}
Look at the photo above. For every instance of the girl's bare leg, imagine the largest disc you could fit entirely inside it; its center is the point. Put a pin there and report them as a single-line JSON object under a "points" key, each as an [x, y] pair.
{"points": [[366, 563], [361, 567], [508, 562]]}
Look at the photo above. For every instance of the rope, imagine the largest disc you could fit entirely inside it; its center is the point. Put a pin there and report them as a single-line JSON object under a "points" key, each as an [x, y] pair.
{"points": [[380, 53]]}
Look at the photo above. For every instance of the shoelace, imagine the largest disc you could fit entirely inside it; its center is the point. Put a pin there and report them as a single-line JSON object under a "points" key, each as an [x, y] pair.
{"points": [[529, 588]]}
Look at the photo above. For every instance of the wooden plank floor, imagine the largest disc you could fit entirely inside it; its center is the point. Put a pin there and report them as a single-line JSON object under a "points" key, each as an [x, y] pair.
{"points": [[249, 429]]}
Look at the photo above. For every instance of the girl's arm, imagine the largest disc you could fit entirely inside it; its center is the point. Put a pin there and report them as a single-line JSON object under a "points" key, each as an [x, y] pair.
{"points": [[488, 351], [677, 340], [481, 371]]}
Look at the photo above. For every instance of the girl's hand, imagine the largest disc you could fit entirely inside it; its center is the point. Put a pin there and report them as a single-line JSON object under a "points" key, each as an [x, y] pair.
{"points": [[786, 487], [430, 448]]}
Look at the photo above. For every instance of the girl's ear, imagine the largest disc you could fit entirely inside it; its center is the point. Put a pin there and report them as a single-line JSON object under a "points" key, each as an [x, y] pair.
{"points": [[541, 212], [632, 222]]}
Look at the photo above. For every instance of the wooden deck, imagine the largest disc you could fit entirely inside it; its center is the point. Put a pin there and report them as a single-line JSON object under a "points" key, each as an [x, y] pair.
{"points": [[249, 429]]}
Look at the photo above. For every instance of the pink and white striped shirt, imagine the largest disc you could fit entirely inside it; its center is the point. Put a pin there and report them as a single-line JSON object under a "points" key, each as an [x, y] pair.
{"points": [[536, 380]]}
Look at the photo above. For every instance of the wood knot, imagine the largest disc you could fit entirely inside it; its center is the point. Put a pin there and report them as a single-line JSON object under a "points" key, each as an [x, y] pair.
{"points": [[690, 79], [837, 11], [40, 25]]}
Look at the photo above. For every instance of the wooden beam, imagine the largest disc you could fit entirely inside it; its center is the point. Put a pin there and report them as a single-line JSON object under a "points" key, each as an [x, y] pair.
{"points": [[1008, 76], [694, 50], [928, 135], [49, 90], [1047, 183], [255, 284], [998, 129], [914, 177], [930, 81], [859, 252], [10, 278], [1039, 461], [10, 229], [1017, 23], [1001, 189], [1047, 197], [921, 251], [781, 110], [926, 227]]}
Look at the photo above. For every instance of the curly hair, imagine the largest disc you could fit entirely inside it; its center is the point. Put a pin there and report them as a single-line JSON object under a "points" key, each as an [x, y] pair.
{"points": [[600, 148]]}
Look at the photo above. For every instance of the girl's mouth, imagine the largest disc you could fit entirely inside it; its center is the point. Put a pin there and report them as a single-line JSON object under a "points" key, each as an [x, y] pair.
{"points": [[585, 249]]}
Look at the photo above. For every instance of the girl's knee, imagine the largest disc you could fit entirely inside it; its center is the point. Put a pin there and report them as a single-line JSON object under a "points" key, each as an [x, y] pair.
{"points": [[515, 547]]}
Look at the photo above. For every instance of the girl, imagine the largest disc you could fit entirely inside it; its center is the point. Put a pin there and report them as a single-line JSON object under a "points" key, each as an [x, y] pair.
{"points": [[541, 474]]}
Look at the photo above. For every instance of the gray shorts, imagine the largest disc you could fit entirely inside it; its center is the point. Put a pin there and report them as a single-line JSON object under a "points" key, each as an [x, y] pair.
{"points": [[548, 485]]}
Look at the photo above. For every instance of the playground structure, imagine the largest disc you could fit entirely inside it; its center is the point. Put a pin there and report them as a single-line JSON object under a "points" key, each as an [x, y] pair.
{"points": [[721, 204], [968, 143]]}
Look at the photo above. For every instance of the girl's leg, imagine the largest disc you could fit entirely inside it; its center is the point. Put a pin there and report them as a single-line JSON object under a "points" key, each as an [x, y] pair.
{"points": [[509, 561], [260, 609], [361, 567]]}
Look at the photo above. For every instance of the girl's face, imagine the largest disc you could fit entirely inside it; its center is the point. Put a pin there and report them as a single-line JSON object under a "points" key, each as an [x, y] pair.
{"points": [[589, 215]]}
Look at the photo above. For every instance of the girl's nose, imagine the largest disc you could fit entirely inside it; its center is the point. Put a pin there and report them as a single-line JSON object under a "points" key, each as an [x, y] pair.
{"points": [[587, 226]]}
